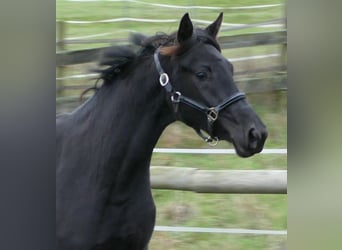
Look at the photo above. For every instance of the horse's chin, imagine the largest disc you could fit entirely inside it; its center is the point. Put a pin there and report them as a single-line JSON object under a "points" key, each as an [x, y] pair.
{"points": [[242, 152]]}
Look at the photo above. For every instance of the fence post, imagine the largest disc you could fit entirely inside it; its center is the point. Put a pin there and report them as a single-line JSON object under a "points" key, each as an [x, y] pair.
{"points": [[60, 46]]}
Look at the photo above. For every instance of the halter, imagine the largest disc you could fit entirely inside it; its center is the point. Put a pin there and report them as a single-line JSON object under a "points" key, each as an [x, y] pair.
{"points": [[176, 97]]}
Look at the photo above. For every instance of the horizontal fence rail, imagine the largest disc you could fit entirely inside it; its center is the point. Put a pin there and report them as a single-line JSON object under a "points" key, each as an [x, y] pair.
{"points": [[187, 7], [219, 181], [196, 21], [212, 151], [219, 230], [280, 22], [246, 182]]}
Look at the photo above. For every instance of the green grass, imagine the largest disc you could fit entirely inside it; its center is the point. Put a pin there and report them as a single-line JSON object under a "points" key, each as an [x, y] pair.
{"points": [[180, 208]]}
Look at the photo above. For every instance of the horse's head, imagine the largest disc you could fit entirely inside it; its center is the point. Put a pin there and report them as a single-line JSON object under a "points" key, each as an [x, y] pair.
{"points": [[203, 91]]}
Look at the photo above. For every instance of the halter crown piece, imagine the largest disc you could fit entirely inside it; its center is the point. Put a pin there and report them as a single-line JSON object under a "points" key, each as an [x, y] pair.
{"points": [[176, 97]]}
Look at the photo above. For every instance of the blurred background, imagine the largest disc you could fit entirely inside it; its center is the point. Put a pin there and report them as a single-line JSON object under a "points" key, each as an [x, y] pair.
{"points": [[253, 37]]}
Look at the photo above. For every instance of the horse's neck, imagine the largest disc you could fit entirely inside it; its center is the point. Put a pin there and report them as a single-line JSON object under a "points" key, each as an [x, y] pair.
{"points": [[126, 121]]}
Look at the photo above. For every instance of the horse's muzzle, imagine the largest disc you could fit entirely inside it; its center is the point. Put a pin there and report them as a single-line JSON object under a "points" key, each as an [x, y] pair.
{"points": [[256, 139]]}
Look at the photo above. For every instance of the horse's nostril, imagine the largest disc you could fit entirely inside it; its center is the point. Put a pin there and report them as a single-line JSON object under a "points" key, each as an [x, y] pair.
{"points": [[253, 137]]}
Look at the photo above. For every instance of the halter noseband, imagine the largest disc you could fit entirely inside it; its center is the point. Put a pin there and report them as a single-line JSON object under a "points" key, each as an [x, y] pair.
{"points": [[176, 97]]}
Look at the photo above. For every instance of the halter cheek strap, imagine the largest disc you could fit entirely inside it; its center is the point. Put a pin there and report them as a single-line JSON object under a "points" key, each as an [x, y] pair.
{"points": [[176, 97]]}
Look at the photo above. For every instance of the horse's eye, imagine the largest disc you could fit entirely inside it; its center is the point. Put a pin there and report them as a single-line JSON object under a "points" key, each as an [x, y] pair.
{"points": [[201, 75]]}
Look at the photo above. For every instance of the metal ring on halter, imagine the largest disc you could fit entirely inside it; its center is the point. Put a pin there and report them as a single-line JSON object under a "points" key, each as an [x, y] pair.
{"points": [[164, 79], [213, 141], [175, 97], [212, 114]]}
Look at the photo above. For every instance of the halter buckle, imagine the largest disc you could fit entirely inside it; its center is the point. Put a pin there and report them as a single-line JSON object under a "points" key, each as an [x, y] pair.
{"points": [[164, 79], [212, 114], [175, 97], [212, 141]]}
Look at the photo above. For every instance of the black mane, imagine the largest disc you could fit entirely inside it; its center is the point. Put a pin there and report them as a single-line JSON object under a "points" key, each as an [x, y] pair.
{"points": [[116, 59]]}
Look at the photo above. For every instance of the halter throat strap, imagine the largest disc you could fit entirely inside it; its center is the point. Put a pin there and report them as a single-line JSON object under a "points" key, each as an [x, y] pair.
{"points": [[176, 97]]}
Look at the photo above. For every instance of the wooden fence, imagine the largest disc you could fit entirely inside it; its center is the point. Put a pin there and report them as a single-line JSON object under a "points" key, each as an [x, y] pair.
{"points": [[64, 58], [274, 80], [220, 181], [249, 79]]}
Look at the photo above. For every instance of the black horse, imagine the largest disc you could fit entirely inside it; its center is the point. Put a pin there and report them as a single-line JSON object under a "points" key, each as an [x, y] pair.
{"points": [[104, 147]]}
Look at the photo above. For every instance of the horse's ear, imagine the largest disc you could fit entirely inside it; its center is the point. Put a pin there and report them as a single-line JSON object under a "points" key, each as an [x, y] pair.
{"points": [[185, 29], [214, 28]]}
